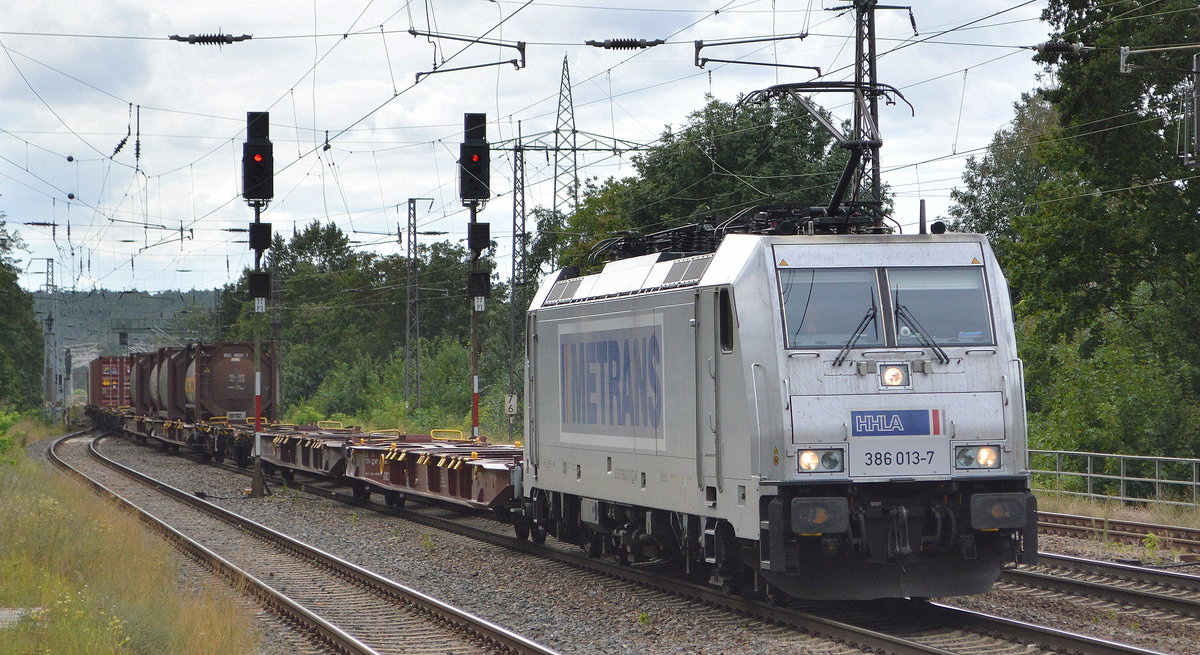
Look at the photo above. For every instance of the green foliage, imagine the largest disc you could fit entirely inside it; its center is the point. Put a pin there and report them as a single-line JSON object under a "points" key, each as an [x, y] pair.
{"points": [[998, 186], [96, 580], [1097, 224], [303, 414], [1106, 392], [7, 441], [20, 334]]}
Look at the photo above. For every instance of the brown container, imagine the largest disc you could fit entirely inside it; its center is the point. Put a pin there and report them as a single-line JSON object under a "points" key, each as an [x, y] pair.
{"points": [[108, 382], [140, 366], [220, 381], [168, 392]]}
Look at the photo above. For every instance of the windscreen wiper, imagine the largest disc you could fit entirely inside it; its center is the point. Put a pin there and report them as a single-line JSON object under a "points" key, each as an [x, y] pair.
{"points": [[908, 319], [867, 319]]}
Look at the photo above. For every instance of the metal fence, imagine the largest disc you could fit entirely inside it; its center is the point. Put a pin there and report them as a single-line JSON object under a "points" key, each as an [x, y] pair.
{"points": [[1129, 478]]}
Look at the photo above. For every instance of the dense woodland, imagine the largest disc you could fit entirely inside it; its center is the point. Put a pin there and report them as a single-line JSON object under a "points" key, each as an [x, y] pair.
{"points": [[1087, 200]]}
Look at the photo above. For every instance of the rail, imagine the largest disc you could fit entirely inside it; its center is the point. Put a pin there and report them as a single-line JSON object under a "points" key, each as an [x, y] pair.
{"points": [[1127, 478]]}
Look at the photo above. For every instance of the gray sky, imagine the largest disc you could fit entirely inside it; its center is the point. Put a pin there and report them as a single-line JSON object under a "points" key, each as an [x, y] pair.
{"points": [[74, 75]]}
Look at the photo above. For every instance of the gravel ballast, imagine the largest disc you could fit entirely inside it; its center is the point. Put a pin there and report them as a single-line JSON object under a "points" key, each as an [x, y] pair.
{"points": [[580, 612]]}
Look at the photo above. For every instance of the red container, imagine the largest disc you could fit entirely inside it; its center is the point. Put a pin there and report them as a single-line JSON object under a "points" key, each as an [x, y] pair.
{"points": [[108, 382]]}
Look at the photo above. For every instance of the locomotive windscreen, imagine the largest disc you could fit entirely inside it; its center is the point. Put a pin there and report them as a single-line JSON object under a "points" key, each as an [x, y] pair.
{"points": [[944, 305], [948, 302], [823, 308]]}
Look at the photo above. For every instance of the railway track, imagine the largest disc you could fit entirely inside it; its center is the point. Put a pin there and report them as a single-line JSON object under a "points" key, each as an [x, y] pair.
{"points": [[1152, 589], [892, 626], [347, 608], [1128, 532]]}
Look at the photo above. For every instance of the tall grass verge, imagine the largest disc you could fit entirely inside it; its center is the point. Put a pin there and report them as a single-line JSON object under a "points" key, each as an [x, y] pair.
{"points": [[96, 580]]}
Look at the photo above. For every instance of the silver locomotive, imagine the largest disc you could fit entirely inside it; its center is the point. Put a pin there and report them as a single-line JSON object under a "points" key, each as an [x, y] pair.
{"points": [[825, 416]]}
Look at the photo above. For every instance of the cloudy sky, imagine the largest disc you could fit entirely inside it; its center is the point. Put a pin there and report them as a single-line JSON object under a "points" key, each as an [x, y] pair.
{"points": [[130, 143]]}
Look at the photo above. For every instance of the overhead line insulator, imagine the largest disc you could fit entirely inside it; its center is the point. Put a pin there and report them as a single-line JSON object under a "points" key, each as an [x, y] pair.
{"points": [[624, 44], [210, 39]]}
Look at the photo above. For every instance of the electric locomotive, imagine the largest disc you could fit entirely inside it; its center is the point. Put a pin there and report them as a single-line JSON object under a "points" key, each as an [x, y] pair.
{"points": [[776, 405]]}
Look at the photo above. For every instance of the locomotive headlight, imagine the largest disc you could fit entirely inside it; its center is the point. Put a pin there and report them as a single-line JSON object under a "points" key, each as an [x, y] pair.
{"points": [[820, 461], [977, 457], [809, 460], [894, 375], [832, 460]]}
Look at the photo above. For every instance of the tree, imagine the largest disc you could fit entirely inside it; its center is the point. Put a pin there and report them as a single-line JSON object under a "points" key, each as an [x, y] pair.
{"points": [[999, 186], [1097, 228], [725, 158], [21, 343]]}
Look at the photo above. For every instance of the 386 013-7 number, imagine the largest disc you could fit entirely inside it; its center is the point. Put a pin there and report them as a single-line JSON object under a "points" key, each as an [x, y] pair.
{"points": [[897, 457]]}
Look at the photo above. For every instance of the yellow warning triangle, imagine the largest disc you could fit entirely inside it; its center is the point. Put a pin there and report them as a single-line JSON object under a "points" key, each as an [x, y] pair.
{"points": [[783, 262], [775, 451], [974, 260]]}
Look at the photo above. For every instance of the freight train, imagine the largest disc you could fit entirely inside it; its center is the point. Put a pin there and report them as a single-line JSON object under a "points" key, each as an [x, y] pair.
{"points": [[195, 396], [822, 416], [201, 398]]}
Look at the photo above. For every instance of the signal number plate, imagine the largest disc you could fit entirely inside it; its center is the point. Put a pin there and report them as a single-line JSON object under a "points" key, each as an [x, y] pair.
{"points": [[899, 457]]}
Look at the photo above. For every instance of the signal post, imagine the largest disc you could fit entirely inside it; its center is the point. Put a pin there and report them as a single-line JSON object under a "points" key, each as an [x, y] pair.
{"points": [[474, 177], [258, 187]]}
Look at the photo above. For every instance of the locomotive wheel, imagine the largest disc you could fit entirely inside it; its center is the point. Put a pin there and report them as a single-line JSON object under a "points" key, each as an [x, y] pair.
{"points": [[773, 595], [538, 534], [288, 474], [522, 530], [594, 546]]}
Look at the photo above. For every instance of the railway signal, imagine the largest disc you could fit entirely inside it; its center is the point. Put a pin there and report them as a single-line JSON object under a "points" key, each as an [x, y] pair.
{"points": [[258, 159], [474, 159]]}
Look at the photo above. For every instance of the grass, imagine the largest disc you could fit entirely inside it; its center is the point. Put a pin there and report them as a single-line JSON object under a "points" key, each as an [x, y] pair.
{"points": [[1174, 515], [95, 579]]}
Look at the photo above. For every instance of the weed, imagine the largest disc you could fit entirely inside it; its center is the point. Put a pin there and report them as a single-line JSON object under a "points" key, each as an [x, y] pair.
{"points": [[353, 518], [101, 584], [644, 619], [427, 543]]}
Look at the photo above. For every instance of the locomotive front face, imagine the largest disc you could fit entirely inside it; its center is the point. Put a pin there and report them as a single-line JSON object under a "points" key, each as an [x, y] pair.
{"points": [[904, 435], [895, 370]]}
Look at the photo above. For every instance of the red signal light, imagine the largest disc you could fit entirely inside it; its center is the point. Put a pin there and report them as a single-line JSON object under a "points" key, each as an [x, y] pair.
{"points": [[258, 157], [475, 159]]}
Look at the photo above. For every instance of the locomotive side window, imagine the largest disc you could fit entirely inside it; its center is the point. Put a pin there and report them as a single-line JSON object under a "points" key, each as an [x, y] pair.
{"points": [[825, 308], [725, 307], [947, 304]]}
